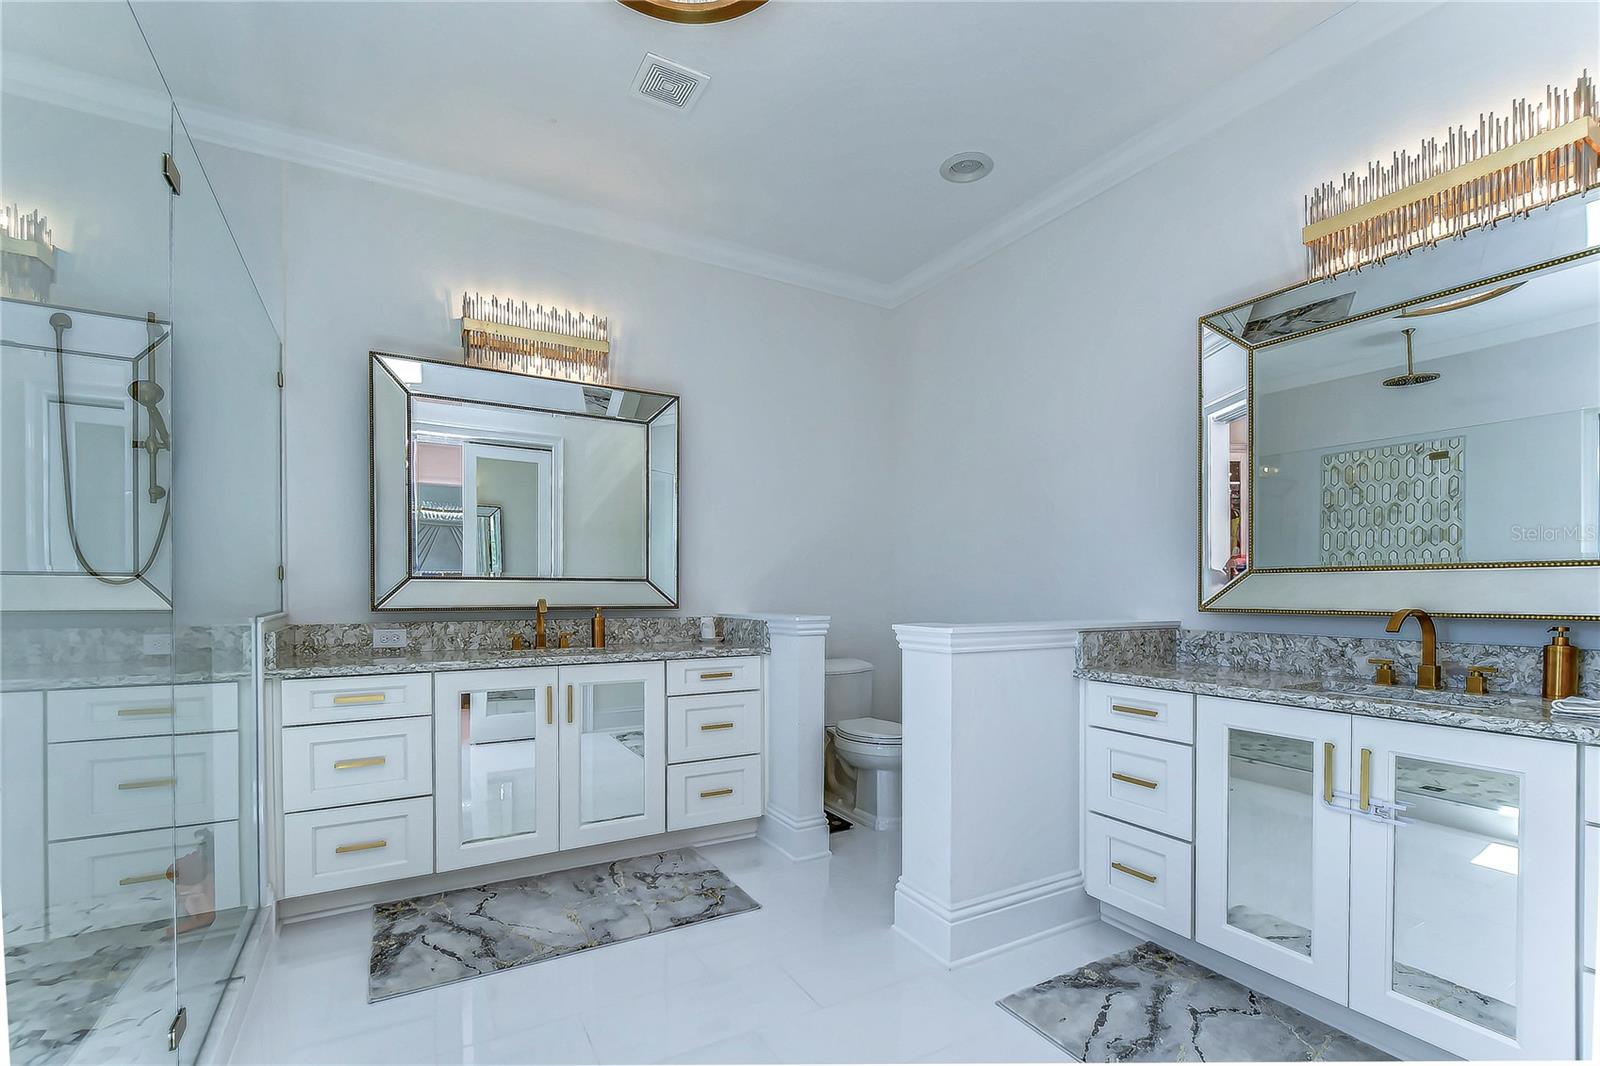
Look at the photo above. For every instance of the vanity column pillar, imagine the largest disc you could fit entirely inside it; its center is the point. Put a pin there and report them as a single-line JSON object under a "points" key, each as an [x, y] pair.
{"points": [[793, 821], [990, 786]]}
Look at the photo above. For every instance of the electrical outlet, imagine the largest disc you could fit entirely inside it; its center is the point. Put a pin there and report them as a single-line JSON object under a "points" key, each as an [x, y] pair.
{"points": [[388, 638], [158, 643]]}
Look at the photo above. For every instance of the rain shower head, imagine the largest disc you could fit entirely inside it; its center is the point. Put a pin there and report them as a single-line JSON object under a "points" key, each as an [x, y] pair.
{"points": [[1410, 377]]}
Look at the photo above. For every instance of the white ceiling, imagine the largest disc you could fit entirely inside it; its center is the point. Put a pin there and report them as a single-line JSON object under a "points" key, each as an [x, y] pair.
{"points": [[814, 152]]}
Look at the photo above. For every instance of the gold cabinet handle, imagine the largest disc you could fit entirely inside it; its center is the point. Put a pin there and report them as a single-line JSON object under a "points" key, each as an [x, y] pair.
{"points": [[569, 704], [366, 845], [1131, 872], [356, 764], [1327, 774], [360, 697], [710, 726], [1366, 779], [148, 782], [1142, 712], [144, 879], [713, 793], [144, 712], [719, 675], [1129, 779], [549, 705]]}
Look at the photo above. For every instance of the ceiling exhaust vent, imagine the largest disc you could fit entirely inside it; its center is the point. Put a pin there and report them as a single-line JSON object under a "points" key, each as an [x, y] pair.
{"points": [[669, 84]]}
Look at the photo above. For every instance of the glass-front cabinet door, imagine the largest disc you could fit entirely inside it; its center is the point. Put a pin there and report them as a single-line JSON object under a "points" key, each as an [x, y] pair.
{"points": [[1271, 845], [1464, 930], [496, 759], [613, 752]]}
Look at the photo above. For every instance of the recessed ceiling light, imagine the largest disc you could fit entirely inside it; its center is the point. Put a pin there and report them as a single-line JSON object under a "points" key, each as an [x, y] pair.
{"points": [[967, 166]]}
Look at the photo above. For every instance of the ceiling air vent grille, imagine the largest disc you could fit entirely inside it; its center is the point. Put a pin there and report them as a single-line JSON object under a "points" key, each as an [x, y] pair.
{"points": [[669, 84]]}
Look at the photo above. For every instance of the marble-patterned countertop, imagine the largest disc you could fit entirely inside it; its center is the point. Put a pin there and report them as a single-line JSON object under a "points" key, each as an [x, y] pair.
{"points": [[1527, 716], [354, 664]]}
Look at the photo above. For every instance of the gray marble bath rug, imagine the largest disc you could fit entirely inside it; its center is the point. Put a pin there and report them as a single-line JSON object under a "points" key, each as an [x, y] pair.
{"points": [[427, 941], [1148, 1005]]}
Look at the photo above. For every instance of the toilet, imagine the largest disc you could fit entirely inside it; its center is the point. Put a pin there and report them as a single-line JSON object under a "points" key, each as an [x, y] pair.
{"points": [[862, 760]]}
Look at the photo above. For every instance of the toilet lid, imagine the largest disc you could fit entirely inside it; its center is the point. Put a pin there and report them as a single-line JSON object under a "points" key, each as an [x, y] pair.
{"points": [[875, 730]]}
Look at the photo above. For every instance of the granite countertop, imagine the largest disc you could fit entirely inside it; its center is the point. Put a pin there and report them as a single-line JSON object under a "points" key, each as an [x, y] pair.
{"points": [[79, 675], [355, 664], [1527, 716]]}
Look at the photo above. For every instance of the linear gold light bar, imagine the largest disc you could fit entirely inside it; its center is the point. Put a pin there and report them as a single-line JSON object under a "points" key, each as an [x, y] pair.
{"points": [[538, 340], [1541, 152]]}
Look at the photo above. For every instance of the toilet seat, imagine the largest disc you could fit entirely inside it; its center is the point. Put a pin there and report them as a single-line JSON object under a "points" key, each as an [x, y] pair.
{"points": [[869, 730]]}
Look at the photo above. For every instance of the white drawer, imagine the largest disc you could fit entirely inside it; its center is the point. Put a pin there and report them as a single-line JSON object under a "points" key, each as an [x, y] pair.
{"points": [[356, 762], [316, 701], [1150, 712], [350, 846], [687, 677], [1591, 784], [1141, 872], [141, 711], [122, 879], [95, 787], [1147, 782], [705, 793], [713, 726], [1591, 888]]}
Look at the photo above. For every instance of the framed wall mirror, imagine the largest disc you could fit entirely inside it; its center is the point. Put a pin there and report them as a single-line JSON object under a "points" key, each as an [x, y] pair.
{"points": [[1368, 443], [497, 489]]}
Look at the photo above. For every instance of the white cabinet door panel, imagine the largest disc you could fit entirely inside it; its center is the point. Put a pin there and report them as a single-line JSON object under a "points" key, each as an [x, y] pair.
{"points": [[688, 677], [713, 726], [356, 762], [613, 752], [350, 846], [317, 701], [709, 793], [1143, 873], [1147, 782], [1150, 712]]}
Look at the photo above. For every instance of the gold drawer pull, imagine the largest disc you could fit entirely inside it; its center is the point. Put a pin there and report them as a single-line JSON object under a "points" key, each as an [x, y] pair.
{"points": [[549, 705], [1327, 774], [1142, 712], [1131, 780], [356, 764], [144, 712], [366, 845], [148, 782], [713, 793], [360, 697], [1131, 872], [709, 726], [144, 879], [720, 675], [1366, 779]]}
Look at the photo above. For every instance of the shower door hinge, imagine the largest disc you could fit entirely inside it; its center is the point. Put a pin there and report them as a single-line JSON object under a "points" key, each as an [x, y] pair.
{"points": [[280, 571], [280, 379], [180, 1022], [169, 170]]}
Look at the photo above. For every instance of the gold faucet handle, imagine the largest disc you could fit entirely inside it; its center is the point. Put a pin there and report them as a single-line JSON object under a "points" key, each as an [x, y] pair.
{"points": [[1478, 679], [1385, 672]]}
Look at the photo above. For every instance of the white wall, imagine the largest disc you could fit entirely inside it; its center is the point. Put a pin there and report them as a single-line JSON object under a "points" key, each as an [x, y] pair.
{"points": [[786, 446], [1049, 389]]}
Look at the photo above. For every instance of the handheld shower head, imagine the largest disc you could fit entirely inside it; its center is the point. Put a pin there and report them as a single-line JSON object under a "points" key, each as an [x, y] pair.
{"points": [[1410, 377], [148, 394]]}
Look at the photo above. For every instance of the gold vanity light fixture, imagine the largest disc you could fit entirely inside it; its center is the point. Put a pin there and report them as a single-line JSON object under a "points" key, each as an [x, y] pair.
{"points": [[1543, 151], [542, 341], [27, 255], [696, 12]]}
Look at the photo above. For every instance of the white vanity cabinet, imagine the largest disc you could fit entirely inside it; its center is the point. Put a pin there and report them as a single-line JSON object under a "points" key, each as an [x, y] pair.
{"points": [[510, 763], [1424, 875]]}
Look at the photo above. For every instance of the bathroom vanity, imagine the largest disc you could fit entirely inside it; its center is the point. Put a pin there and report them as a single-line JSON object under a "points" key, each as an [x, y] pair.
{"points": [[1413, 856], [447, 761]]}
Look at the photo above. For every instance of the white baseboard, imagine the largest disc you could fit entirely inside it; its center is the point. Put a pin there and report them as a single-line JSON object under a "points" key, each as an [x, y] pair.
{"points": [[1401, 1045], [996, 922], [795, 837]]}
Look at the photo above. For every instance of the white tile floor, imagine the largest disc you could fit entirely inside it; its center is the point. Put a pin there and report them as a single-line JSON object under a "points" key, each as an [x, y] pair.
{"points": [[816, 975]]}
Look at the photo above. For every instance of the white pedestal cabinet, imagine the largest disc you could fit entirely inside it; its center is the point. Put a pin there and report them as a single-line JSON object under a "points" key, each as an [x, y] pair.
{"points": [[1422, 875]]}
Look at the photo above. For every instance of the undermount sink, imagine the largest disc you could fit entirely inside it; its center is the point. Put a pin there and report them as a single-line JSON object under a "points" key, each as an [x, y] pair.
{"points": [[1402, 694]]}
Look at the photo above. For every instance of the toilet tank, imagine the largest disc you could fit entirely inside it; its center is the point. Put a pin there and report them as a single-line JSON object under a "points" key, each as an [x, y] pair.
{"points": [[847, 690]]}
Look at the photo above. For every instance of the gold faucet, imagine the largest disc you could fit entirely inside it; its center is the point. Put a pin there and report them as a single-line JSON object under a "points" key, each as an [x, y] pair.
{"points": [[538, 624], [1428, 669]]}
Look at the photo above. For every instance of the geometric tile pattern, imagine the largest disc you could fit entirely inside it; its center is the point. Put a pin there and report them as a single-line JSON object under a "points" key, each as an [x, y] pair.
{"points": [[1396, 504]]}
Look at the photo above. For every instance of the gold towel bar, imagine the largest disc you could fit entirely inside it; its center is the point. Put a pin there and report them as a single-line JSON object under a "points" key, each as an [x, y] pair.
{"points": [[1131, 780], [1131, 872], [356, 764], [368, 845]]}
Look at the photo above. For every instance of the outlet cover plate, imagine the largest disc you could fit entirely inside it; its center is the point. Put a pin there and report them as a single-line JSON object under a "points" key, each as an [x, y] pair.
{"points": [[388, 638], [158, 643]]}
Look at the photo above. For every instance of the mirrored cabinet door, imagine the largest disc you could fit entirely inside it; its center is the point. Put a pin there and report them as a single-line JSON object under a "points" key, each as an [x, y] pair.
{"points": [[613, 752], [1271, 853], [1463, 928], [496, 765]]}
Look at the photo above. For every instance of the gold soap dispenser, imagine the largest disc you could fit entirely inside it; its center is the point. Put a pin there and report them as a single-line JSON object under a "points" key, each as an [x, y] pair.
{"points": [[598, 629], [1560, 666]]}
